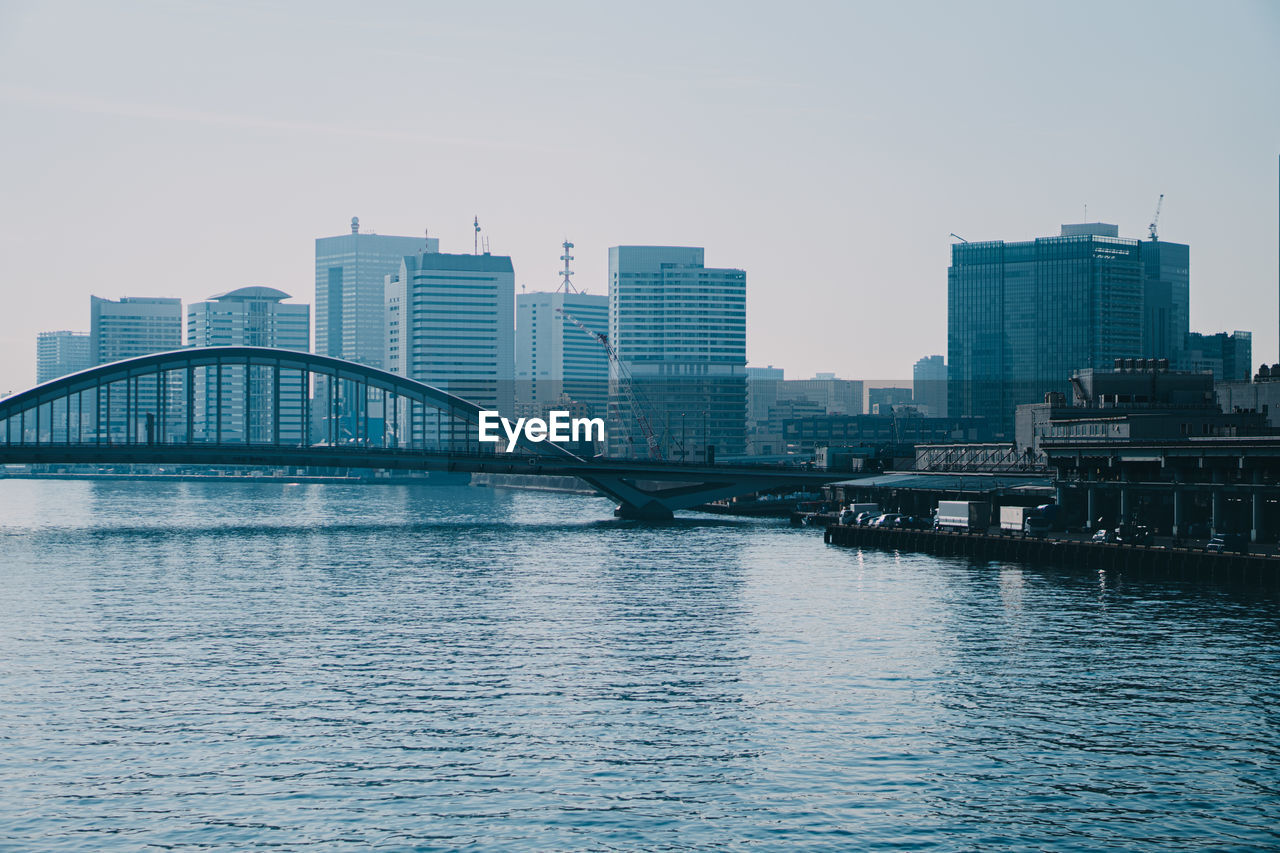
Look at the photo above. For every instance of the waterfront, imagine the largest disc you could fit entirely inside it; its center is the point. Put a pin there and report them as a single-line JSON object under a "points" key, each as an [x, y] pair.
{"points": [[249, 665]]}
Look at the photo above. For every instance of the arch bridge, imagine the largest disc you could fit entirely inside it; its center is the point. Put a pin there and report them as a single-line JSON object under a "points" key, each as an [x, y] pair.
{"points": [[238, 406]]}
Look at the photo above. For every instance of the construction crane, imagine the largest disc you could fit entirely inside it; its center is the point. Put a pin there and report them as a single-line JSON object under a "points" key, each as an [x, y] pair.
{"points": [[625, 384], [1155, 220]]}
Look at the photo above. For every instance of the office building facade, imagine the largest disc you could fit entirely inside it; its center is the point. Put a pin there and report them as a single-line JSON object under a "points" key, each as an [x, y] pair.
{"points": [[133, 326], [559, 364], [1228, 356], [256, 317], [1023, 317], [61, 353], [679, 329], [451, 324], [351, 271]]}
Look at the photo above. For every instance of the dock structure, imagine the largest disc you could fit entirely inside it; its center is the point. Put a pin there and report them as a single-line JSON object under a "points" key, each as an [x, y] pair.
{"points": [[1168, 563]]}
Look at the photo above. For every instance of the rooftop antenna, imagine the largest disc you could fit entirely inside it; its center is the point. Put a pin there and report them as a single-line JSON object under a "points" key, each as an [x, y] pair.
{"points": [[1155, 220], [355, 225], [475, 249], [1086, 211], [566, 274], [958, 237], [426, 236], [485, 243]]}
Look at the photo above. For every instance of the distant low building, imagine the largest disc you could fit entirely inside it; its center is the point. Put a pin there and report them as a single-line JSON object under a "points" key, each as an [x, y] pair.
{"points": [[929, 385], [1229, 357], [880, 401]]}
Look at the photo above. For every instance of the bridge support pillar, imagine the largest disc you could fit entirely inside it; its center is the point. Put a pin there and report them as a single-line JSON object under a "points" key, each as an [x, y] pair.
{"points": [[1091, 511], [1179, 498], [1258, 504], [1216, 520]]}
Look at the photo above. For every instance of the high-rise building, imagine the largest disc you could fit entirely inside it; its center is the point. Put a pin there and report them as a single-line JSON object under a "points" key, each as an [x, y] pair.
{"points": [[60, 353], [132, 327], [557, 363], [1166, 271], [256, 317], [351, 270], [451, 323], [1230, 357], [679, 329], [929, 385], [1023, 317], [249, 316]]}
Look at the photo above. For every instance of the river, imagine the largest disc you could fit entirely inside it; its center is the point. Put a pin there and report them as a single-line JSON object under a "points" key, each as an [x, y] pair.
{"points": [[250, 665]]}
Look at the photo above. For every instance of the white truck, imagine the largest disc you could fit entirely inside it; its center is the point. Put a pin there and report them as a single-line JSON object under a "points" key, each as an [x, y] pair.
{"points": [[973, 516], [1013, 519]]}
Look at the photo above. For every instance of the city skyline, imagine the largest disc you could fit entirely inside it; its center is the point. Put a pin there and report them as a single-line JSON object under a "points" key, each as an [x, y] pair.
{"points": [[831, 175]]}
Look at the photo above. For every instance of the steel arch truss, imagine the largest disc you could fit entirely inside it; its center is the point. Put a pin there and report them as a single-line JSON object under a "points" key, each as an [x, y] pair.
{"points": [[247, 397]]}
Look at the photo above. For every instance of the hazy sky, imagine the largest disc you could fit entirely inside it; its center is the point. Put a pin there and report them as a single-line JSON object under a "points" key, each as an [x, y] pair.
{"points": [[183, 149]]}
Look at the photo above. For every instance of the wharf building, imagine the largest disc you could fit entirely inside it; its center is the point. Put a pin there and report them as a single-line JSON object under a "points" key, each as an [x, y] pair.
{"points": [[679, 329], [1136, 444], [61, 353], [1021, 317], [248, 316], [450, 322], [1162, 454], [558, 364]]}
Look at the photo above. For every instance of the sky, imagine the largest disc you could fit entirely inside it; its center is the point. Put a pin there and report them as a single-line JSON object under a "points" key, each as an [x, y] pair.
{"points": [[828, 149]]}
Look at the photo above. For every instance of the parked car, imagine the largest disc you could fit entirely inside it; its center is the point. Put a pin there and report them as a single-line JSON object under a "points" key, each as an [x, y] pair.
{"points": [[889, 519], [865, 518], [1134, 534], [1104, 535], [1222, 543]]}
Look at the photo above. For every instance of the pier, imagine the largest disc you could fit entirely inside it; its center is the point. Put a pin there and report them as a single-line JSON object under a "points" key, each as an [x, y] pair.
{"points": [[1155, 561]]}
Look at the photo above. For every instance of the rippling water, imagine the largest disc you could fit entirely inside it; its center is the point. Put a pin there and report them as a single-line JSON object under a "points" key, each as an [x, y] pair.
{"points": [[250, 665]]}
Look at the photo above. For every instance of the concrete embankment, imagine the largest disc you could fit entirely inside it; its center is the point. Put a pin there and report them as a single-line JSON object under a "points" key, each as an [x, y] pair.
{"points": [[1135, 560]]}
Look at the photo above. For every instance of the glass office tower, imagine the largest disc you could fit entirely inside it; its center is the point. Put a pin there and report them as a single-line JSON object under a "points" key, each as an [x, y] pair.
{"points": [[680, 330], [351, 270], [1022, 317]]}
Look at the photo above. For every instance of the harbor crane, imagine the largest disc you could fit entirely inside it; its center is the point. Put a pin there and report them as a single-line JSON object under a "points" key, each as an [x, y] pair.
{"points": [[1155, 220], [625, 384]]}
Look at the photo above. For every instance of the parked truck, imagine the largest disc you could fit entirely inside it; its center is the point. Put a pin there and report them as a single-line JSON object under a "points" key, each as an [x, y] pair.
{"points": [[1034, 521], [974, 516], [1013, 519]]}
